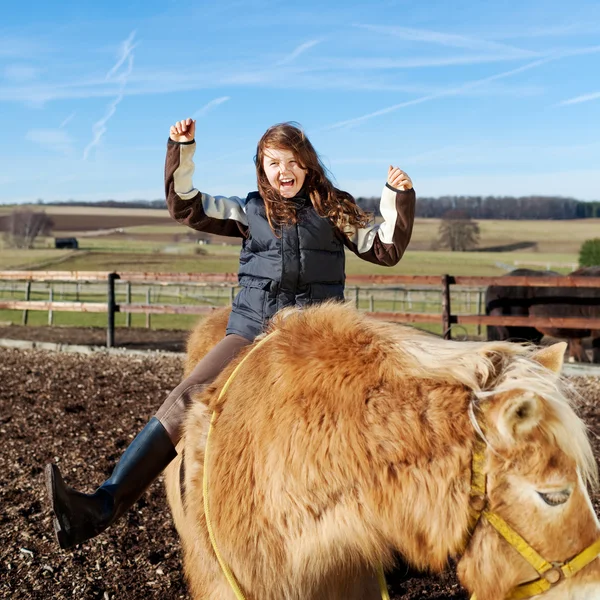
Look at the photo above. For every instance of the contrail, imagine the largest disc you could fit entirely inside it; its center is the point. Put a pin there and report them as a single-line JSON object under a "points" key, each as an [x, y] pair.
{"points": [[209, 106], [99, 127], [126, 49], [449, 92], [469, 85], [297, 52], [580, 99], [67, 120]]}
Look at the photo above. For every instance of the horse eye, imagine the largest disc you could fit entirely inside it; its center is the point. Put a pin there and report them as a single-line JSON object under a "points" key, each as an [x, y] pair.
{"points": [[555, 498]]}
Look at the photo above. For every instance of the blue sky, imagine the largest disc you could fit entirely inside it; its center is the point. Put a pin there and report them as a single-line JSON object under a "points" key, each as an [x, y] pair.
{"points": [[468, 97]]}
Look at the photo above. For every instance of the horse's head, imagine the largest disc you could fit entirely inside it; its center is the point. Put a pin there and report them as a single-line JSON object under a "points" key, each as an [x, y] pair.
{"points": [[537, 462]]}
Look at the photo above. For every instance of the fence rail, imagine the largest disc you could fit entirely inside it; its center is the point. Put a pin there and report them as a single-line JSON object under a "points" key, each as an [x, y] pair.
{"points": [[440, 285]]}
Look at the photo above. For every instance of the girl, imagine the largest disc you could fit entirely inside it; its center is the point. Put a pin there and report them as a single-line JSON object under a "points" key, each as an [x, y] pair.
{"points": [[294, 230]]}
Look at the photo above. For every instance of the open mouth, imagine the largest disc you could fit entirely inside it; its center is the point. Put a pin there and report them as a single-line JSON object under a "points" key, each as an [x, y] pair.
{"points": [[286, 183]]}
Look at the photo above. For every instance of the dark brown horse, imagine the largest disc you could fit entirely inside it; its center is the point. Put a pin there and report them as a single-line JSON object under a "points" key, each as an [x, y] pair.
{"points": [[547, 302]]}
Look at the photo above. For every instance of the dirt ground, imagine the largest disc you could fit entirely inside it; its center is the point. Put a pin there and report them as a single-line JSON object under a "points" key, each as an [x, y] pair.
{"points": [[81, 411], [131, 338]]}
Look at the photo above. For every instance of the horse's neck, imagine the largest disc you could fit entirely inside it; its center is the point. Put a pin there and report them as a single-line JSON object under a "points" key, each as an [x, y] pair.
{"points": [[428, 513], [422, 474]]}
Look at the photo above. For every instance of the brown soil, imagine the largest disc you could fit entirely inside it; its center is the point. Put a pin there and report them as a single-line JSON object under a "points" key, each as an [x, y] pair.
{"points": [[81, 412], [74, 223], [131, 338]]}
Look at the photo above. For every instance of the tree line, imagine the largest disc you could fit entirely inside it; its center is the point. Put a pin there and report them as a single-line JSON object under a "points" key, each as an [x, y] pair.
{"points": [[474, 207], [499, 207]]}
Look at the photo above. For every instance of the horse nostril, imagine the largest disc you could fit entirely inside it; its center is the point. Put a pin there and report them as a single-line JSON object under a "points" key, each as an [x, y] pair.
{"points": [[555, 498]]}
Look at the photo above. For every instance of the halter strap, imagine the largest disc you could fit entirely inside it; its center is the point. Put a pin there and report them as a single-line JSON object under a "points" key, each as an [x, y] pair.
{"points": [[231, 579], [550, 573]]}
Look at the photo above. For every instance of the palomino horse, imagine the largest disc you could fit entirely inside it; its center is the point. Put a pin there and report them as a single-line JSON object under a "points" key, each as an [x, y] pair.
{"points": [[341, 440]]}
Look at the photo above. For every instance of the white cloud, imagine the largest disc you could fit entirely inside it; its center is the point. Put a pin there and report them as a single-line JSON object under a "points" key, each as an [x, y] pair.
{"points": [[572, 29], [20, 73], [21, 47], [454, 91], [209, 106], [416, 62], [580, 99], [449, 39], [57, 140]]}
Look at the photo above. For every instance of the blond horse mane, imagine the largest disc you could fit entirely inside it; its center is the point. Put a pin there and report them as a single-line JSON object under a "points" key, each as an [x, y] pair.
{"points": [[485, 368]]}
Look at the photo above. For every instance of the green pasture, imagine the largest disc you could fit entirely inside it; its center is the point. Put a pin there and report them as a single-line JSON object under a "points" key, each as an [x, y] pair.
{"points": [[17, 259], [550, 236], [164, 247], [191, 258]]}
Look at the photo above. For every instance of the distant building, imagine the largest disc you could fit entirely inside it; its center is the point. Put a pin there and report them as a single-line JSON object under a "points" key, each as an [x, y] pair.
{"points": [[66, 243]]}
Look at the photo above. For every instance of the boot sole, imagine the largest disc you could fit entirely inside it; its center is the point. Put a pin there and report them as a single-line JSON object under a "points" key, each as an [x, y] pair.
{"points": [[51, 472]]}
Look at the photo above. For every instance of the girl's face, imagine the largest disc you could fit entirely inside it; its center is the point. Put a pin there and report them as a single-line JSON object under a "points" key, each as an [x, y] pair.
{"points": [[283, 171]]}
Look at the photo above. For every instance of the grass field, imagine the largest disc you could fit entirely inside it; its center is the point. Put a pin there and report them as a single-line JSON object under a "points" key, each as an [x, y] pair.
{"points": [[145, 224], [550, 236], [148, 240], [150, 257]]}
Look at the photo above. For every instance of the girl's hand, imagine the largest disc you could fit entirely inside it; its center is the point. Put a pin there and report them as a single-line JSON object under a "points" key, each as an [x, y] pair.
{"points": [[183, 131], [399, 179]]}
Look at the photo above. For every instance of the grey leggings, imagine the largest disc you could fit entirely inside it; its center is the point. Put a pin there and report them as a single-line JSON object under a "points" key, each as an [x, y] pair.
{"points": [[172, 411]]}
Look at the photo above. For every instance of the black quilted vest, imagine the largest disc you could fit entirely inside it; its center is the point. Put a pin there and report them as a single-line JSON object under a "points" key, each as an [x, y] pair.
{"points": [[302, 264]]}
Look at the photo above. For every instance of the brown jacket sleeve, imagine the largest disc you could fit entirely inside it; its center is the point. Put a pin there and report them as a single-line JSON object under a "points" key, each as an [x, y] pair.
{"points": [[213, 214], [385, 242]]}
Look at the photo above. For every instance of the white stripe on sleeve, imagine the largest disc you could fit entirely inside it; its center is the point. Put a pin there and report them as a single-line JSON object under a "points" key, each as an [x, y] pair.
{"points": [[364, 238], [215, 207]]}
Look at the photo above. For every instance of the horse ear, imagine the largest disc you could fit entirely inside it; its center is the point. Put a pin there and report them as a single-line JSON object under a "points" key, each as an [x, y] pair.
{"points": [[551, 357], [519, 415]]}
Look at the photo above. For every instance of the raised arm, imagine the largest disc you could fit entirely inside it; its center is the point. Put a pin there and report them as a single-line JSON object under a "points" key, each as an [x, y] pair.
{"points": [[212, 214], [385, 242]]}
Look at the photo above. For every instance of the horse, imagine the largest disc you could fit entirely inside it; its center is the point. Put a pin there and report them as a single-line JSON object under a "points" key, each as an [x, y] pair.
{"points": [[547, 302], [572, 302], [514, 301], [339, 442]]}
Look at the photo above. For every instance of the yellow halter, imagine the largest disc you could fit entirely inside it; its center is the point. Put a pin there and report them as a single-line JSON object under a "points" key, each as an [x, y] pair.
{"points": [[550, 574], [233, 583]]}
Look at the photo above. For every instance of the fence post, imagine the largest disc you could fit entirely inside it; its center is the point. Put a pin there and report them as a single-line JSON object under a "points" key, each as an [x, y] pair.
{"points": [[479, 309], [446, 313], [128, 301], [231, 293], [148, 300], [356, 296], [371, 303], [27, 298], [112, 308], [50, 299]]}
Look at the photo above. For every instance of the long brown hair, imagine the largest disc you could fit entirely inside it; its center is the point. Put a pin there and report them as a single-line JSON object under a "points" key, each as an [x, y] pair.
{"points": [[329, 202]]}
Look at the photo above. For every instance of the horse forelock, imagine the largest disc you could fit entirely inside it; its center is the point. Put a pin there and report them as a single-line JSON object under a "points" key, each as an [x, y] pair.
{"points": [[560, 423]]}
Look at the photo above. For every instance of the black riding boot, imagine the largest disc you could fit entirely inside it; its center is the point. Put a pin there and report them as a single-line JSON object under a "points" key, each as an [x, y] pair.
{"points": [[79, 517]]}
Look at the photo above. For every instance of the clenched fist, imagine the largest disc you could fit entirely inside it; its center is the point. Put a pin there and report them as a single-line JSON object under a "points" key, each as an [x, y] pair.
{"points": [[183, 131], [399, 179]]}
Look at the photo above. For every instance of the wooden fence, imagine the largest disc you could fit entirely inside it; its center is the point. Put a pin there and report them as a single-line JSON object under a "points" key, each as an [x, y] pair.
{"points": [[442, 283]]}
